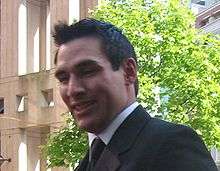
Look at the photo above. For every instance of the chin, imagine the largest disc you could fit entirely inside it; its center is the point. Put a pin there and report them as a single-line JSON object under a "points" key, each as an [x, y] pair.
{"points": [[91, 128], [88, 127]]}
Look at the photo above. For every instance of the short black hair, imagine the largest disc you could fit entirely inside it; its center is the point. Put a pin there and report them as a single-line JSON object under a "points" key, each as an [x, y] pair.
{"points": [[114, 44]]}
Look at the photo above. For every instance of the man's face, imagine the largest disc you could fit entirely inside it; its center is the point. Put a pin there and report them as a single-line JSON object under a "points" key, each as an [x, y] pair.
{"points": [[92, 91]]}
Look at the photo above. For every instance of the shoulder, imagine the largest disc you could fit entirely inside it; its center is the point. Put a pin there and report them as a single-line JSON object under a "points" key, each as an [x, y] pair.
{"points": [[160, 126], [155, 125], [179, 144], [169, 133], [157, 129]]}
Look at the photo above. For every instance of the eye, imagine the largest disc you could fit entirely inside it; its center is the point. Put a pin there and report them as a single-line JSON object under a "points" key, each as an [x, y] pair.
{"points": [[63, 78], [86, 72]]}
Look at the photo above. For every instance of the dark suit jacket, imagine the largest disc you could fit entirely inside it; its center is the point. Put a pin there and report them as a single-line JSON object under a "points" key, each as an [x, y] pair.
{"points": [[143, 143]]}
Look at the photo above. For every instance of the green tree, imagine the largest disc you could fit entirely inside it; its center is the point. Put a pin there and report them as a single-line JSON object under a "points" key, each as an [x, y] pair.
{"points": [[65, 146], [179, 66]]}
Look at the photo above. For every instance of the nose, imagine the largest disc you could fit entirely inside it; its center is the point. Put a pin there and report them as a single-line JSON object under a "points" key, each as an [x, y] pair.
{"points": [[75, 87]]}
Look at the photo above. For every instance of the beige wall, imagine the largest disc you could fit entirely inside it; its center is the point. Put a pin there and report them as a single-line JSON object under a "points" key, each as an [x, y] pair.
{"points": [[37, 119], [85, 5], [9, 39]]}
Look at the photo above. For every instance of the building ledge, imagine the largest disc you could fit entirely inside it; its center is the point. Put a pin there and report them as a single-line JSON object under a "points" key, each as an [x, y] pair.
{"points": [[213, 9], [213, 26]]}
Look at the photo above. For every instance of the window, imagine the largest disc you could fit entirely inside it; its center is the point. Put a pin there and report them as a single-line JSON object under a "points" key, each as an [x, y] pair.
{"points": [[22, 151], [22, 38], [34, 36], [20, 103], [1, 105], [48, 38], [73, 11], [48, 98]]}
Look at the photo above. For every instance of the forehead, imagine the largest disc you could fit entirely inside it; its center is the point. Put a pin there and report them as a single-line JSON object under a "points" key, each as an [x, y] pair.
{"points": [[80, 50]]}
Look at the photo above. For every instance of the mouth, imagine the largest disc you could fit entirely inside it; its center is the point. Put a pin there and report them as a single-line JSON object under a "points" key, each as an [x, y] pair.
{"points": [[83, 107]]}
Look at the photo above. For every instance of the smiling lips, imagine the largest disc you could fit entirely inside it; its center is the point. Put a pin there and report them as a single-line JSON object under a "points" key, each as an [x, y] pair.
{"points": [[83, 107]]}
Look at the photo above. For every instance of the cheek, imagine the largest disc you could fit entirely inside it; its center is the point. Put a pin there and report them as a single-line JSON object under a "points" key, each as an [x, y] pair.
{"points": [[106, 98], [63, 94]]}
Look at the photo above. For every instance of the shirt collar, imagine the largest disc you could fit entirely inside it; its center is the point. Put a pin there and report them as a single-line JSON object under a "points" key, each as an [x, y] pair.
{"points": [[108, 132]]}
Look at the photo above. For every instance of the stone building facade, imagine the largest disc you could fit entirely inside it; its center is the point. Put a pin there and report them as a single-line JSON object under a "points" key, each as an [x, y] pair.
{"points": [[30, 105]]}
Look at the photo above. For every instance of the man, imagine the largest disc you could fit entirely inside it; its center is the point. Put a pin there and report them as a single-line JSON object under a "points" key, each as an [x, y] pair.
{"points": [[97, 70]]}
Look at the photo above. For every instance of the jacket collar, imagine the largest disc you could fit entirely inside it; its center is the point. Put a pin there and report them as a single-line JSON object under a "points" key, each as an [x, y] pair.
{"points": [[127, 133], [122, 141]]}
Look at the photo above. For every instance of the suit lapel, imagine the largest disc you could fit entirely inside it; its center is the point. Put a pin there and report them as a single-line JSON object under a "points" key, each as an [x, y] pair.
{"points": [[122, 140], [129, 130], [107, 161]]}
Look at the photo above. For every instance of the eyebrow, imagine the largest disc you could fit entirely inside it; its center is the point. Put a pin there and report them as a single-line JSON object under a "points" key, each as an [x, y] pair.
{"points": [[86, 63], [81, 65]]}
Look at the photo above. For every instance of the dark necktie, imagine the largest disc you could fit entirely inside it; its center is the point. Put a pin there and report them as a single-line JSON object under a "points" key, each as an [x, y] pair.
{"points": [[96, 150]]}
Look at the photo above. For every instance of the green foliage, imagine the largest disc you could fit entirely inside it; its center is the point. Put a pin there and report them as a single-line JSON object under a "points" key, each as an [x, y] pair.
{"points": [[179, 71], [65, 146], [174, 57]]}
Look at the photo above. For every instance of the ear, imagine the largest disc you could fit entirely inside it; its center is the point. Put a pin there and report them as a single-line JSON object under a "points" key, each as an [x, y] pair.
{"points": [[130, 70]]}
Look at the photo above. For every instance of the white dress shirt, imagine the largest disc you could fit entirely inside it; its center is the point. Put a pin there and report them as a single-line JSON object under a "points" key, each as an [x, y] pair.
{"points": [[108, 132]]}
